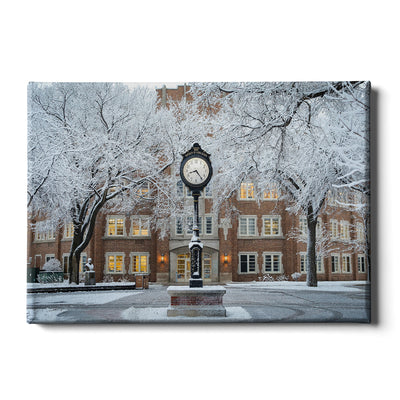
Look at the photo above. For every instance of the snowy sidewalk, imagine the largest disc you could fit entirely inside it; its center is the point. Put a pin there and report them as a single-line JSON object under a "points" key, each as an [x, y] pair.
{"points": [[244, 302]]}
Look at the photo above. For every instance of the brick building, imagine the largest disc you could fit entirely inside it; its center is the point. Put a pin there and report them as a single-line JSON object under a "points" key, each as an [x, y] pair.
{"points": [[263, 241]]}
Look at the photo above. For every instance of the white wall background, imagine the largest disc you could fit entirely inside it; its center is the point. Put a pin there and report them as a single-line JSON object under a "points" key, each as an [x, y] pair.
{"points": [[175, 41]]}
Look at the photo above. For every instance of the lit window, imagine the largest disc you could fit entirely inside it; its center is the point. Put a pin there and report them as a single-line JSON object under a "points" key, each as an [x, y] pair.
{"points": [[115, 262], [116, 226], [44, 232], [247, 263], [68, 230], [272, 225], [360, 232], [82, 262], [344, 230], [140, 263], [272, 262], [144, 189], [247, 226], [140, 226], [346, 263], [270, 194], [334, 229], [246, 191]]}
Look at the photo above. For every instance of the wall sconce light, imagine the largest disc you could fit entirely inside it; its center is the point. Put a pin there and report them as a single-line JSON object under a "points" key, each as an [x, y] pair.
{"points": [[225, 258], [162, 258]]}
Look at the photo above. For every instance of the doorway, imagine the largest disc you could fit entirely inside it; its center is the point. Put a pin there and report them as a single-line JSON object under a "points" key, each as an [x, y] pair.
{"points": [[183, 267]]}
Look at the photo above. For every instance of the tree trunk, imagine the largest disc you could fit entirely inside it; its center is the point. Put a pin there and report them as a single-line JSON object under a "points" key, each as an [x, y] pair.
{"points": [[311, 254]]}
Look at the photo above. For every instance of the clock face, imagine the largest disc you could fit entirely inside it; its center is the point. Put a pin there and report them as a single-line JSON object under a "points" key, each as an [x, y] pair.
{"points": [[196, 171]]}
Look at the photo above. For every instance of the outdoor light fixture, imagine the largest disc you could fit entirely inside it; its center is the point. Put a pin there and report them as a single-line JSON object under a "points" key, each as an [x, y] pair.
{"points": [[225, 258], [162, 258]]}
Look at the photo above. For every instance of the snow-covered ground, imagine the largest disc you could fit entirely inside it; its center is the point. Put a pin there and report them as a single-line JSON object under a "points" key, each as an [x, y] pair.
{"points": [[325, 286]]}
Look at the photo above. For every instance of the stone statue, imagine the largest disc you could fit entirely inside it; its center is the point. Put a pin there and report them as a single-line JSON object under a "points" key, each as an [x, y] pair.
{"points": [[89, 266]]}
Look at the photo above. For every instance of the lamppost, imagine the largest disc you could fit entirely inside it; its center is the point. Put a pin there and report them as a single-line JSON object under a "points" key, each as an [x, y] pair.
{"points": [[196, 172]]}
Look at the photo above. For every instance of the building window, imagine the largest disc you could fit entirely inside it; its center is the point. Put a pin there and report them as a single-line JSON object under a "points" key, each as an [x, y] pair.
{"points": [[335, 266], [66, 263], [272, 225], [49, 257], [144, 189], [270, 194], [361, 263], [115, 226], [247, 226], [140, 226], [272, 262], [208, 191], [209, 227], [360, 232], [178, 226], [139, 263], [68, 230], [334, 229], [344, 230], [115, 262], [179, 188], [303, 263], [303, 225], [346, 263], [189, 225], [43, 233], [82, 262], [247, 191], [247, 263]]}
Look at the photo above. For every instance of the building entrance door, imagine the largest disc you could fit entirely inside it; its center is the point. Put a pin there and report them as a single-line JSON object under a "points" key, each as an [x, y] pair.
{"points": [[183, 267]]}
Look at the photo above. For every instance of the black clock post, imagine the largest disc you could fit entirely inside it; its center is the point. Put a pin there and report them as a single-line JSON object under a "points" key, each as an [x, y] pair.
{"points": [[196, 172], [196, 300]]}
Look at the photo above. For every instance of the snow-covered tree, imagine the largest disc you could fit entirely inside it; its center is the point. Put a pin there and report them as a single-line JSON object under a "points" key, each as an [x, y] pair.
{"points": [[91, 145], [296, 135]]}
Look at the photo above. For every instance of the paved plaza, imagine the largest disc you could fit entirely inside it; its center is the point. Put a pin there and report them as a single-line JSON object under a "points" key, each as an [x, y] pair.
{"points": [[244, 302]]}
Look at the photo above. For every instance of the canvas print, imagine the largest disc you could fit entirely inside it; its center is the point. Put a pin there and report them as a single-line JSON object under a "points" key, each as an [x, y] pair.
{"points": [[201, 202]]}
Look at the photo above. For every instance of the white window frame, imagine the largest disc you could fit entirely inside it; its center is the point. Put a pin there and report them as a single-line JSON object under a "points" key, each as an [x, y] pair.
{"points": [[68, 230], [247, 217], [334, 233], [271, 191], [344, 230], [246, 188], [348, 256], [360, 232], [179, 222], [115, 254], [48, 257], [359, 257], [272, 254], [139, 254], [46, 236], [143, 221], [319, 260], [205, 225], [271, 217], [248, 253], [116, 218], [82, 262], [337, 270]]}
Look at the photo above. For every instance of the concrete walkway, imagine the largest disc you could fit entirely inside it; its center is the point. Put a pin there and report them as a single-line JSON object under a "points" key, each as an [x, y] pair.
{"points": [[244, 303]]}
